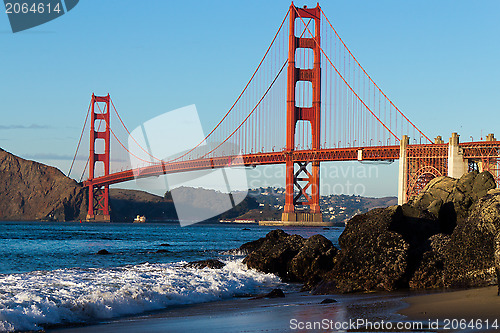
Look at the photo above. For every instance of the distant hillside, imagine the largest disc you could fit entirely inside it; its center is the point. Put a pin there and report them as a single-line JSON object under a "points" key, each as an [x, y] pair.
{"points": [[210, 202], [125, 205]]}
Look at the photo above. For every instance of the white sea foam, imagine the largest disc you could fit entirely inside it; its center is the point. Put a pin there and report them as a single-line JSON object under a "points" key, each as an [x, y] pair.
{"points": [[30, 300]]}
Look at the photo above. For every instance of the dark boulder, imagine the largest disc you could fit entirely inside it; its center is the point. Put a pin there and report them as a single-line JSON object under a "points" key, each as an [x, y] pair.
{"points": [[275, 252], [313, 260], [275, 293], [208, 263], [447, 236], [468, 213], [103, 251], [372, 257], [291, 257], [328, 301]]}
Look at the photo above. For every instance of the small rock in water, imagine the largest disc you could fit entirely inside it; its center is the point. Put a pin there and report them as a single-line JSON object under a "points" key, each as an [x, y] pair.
{"points": [[161, 251], [103, 251], [165, 244], [326, 228], [210, 263], [275, 293], [328, 301], [245, 229]]}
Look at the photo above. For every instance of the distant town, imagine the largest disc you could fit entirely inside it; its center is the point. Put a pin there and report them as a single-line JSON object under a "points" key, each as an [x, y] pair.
{"points": [[335, 208]]}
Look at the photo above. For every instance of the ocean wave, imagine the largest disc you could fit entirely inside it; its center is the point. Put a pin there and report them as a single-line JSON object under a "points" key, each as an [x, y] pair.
{"points": [[30, 301]]}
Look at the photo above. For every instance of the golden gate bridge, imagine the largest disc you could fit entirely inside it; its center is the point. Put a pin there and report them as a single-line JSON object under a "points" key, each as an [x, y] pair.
{"points": [[308, 101]]}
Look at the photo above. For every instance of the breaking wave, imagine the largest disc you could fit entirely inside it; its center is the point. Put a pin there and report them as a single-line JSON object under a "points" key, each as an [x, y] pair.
{"points": [[30, 301]]}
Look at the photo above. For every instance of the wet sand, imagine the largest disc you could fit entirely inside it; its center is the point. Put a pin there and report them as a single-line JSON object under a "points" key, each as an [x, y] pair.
{"points": [[481, 303], [256, 315]]}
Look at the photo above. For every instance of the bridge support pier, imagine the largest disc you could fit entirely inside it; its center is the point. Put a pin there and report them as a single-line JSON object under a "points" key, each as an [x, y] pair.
{"points": [[457, 166], [403, 170]]}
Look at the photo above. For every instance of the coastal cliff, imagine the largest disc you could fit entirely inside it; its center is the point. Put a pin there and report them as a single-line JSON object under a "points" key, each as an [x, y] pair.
{"points": [[33, 191]]}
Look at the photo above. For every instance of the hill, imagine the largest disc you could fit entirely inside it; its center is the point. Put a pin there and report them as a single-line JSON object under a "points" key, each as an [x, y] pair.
{"points": [[33, 191]]}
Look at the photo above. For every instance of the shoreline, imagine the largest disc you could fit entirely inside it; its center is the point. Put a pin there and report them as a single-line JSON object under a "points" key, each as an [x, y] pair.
{"points": [[246, 314], [256, 315]]}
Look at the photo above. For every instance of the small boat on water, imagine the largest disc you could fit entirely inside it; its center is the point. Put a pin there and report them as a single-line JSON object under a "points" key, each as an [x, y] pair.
{"points": [[140, 219]]}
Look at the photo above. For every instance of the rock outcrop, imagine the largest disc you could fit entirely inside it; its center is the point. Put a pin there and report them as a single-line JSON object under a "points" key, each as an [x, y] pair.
{"points": [[291, 257], [444, 237], [442, 193], [33, 191]]}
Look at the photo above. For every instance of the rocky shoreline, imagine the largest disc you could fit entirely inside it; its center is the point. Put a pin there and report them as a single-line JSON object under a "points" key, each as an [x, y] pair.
{"points": [[446, 237]]}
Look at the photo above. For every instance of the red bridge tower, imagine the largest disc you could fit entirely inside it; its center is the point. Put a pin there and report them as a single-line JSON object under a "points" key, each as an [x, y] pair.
{"points": [[304, 179], [99, 194]]}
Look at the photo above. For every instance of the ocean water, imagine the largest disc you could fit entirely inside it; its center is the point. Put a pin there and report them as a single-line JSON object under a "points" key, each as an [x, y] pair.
{"points": [[51, 274]]}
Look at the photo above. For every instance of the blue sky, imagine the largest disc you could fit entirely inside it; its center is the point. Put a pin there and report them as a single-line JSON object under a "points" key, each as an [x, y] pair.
{"points": [[437, 60]]}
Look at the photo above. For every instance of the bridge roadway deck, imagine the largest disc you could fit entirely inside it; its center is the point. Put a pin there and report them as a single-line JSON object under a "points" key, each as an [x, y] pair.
{"points": [[323, 155], [481, 149]]}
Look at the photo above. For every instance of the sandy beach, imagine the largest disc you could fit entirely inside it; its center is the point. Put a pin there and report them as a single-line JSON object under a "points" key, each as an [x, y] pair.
{"points": [[477, 304]]}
